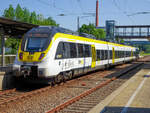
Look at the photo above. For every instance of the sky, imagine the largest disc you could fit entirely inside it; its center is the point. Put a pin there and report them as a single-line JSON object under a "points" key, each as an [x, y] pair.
{"points": [[124, 12]]}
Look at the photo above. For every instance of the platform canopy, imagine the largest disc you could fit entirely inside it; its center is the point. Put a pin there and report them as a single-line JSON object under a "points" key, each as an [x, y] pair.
{"points": [[14, 28]]}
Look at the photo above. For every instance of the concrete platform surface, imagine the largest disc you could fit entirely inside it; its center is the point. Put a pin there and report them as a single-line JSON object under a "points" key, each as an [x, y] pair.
{"points": [[132, 97]]}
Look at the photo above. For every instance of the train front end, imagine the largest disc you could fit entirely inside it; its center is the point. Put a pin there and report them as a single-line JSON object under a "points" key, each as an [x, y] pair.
{"points": [[32, 57]]}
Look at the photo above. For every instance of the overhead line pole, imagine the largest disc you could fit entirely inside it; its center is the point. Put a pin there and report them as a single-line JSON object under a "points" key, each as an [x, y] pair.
{"points": [[78, 24]]}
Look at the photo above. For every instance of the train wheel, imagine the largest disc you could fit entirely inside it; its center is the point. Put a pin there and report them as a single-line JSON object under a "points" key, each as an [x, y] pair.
{"points": [[59, 78], [65, 77], [52, 82], [70, 75]]}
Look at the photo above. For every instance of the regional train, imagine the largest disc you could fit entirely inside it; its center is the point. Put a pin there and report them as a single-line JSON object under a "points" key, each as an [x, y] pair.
{"points": [[56, 54]]}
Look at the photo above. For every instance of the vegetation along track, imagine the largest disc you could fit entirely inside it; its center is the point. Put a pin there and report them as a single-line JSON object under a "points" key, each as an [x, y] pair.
{"points": [[62, 93]]}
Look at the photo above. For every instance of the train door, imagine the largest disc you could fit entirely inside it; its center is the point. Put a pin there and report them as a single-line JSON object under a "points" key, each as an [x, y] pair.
{"points": [[60, 56], [66, 54], [93, 56], [113, 55]]}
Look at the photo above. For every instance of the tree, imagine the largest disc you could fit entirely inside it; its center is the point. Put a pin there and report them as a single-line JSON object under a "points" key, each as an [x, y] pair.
{"points": [[101, 33], [48, 21], [122, 41], [9, 13], [33, 18], [90, 29], [26, 15], [19, 14], [12, 43]]}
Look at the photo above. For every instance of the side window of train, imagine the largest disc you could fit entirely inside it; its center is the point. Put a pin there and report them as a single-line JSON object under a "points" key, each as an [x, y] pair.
{"points": [[59, 51], [119, 54], [115, 54], [66, 51], [87, 50], [102, 54], [73, 50], [106, 54], [122, 54], [80, 50], [110, 54], [98, 55], [127, 53]]}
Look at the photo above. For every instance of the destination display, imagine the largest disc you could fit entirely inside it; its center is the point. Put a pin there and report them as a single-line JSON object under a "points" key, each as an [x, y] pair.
{"points": [[37, 35]]}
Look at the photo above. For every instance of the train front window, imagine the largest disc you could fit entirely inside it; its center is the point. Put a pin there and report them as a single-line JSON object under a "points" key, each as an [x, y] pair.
{"points": [[37, 39], [36, 43]]}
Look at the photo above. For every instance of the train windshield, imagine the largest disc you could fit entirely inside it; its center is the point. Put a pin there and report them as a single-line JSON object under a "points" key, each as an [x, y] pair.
{"points": [[36, 43], [36, 40]]}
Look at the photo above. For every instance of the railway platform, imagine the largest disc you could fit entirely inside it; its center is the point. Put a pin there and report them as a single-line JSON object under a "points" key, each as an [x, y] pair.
{"points": [[132, 97], [6, 79]]}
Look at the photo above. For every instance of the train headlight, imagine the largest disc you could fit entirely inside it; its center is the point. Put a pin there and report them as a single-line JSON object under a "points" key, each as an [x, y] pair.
{"points": [[41, 56], [21, 56]]}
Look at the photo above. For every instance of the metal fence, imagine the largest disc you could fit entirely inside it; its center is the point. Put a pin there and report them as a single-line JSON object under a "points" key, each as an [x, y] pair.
{"points": [[9, 59]]}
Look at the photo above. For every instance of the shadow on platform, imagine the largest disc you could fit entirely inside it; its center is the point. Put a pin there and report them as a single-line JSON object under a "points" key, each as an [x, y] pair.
{"points": [[116, 109]]}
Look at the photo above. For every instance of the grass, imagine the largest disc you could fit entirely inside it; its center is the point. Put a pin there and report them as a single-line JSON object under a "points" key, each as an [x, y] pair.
{"points": [[144, 54]]}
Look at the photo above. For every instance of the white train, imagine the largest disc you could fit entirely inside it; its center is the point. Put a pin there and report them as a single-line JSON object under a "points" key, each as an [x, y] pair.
{"points": [[56, 54]]}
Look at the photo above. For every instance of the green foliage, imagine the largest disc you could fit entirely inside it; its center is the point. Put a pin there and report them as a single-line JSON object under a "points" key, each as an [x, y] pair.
{"points": [[24, 15], [90, 29], [9, 13], [33, 18], [147, 48], [13, 44], [122, 41], [101, 33], [119, 40], [19, 14]]}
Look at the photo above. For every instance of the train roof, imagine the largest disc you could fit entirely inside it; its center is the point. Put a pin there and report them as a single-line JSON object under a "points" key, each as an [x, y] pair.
{"points": [[83, 35]]}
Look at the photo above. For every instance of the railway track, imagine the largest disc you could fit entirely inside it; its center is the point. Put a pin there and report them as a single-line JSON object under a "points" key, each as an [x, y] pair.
{"points": [[14, 95], [88, 99], [84, 83], [11, 95]]}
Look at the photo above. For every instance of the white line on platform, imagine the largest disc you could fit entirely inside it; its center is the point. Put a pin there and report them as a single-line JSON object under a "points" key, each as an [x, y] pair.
{"points": [[133, 96]]}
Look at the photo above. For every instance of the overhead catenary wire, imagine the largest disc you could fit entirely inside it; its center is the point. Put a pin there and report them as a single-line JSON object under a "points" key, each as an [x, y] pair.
{"points": [[83, 12], [124, 12], [53, 5], [45, 3], [141, 12], [137, 13], [58, 8]]}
